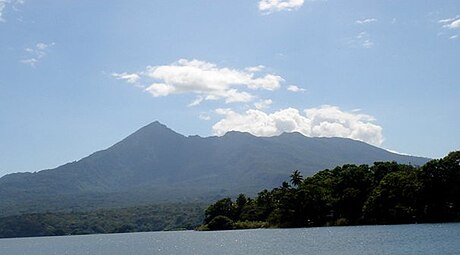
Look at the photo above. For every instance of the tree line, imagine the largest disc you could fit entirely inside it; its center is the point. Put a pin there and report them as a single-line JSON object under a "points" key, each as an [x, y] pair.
{"points": [[383, 193], [117, 220]]}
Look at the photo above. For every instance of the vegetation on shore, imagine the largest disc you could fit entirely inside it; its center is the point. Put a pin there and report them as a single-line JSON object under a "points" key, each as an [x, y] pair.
{"points": [[384, 193], [103, 221]]}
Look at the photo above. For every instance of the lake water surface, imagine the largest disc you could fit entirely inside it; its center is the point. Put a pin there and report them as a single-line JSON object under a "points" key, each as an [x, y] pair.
{"points": [[396, 239]]}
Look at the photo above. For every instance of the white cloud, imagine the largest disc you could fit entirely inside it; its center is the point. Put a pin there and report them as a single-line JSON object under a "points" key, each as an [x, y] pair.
{"points": [[449, 26], [263, 104], [36, 53], [366, 21], [254, 69], [324, 121], [294, 88], [206, 80], [446, 20], [270, 6], [5, 3], [160, 89], [451, 23]]}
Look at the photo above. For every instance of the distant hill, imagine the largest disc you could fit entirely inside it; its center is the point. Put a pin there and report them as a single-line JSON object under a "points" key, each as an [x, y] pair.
{"points": [[156, 164]]}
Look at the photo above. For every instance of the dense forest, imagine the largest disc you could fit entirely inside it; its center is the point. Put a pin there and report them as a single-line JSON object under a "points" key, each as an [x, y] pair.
{"points": [[384, 193], [120, 220]]}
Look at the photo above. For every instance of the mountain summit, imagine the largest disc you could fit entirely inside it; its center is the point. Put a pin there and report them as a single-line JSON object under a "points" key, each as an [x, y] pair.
{"points": [[156, 164]]}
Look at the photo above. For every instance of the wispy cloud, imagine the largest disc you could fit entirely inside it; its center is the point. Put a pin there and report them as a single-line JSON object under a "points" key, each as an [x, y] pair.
{"points": [[204, 116], [131, 78], [364, 40], [205, 80], [30, 61], [450, 23], [449, 27], [270, 6], [36, 53], [361, 40], [5, 3], [2, 8], [397, 152], [366, 21]]}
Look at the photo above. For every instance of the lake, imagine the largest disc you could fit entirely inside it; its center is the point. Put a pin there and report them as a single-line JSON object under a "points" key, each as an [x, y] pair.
{"points": [[394, 239]]}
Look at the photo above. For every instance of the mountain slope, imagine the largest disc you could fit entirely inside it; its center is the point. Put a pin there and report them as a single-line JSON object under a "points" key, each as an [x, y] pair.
{"points": [[156, 164]]}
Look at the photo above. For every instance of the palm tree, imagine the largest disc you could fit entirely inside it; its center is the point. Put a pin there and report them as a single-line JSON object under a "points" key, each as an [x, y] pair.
{"points": [[296, 178]]}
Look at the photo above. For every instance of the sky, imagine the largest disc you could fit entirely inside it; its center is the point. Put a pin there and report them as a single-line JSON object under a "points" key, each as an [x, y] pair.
{"points": [[78, 76]]}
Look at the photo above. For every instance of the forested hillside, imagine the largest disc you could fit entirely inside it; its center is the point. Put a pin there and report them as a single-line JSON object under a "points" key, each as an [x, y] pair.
{"points": [[384, 193]]}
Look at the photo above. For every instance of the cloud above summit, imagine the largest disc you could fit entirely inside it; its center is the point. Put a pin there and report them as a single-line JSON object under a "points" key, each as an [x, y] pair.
{"points": [[324, 121], [208, 81], [205, 80]]}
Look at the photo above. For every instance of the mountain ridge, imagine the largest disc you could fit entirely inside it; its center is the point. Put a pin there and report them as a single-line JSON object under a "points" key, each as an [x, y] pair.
{"points": [[155, 163]]}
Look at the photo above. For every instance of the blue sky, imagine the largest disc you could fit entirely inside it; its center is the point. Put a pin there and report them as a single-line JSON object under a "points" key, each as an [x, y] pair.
{"points": [[78, 76]]}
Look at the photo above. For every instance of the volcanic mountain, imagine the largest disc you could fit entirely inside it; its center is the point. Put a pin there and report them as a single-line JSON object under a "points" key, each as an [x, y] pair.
{"points": [[156, 164]]}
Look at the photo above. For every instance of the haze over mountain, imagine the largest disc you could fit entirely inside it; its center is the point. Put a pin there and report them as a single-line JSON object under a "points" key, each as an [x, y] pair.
{"points": [[156, 164]]}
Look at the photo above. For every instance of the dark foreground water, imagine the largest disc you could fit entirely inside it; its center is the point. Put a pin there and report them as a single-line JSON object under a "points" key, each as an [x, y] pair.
{"points": [[397, 239]]}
